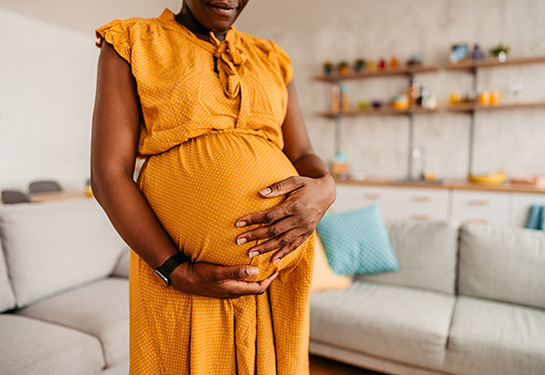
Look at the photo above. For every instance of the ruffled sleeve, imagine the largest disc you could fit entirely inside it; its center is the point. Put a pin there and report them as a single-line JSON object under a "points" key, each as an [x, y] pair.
{"points": [[117, 33], [284, 63]]}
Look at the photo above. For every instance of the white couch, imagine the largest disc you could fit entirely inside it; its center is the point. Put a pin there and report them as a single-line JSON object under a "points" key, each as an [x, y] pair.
{"points": [[471, 305], [63, 291], [467, 300]]}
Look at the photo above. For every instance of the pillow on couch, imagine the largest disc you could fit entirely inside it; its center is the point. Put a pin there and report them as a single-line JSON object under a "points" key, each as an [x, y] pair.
{"points": [[323, 276], [357, 242]]}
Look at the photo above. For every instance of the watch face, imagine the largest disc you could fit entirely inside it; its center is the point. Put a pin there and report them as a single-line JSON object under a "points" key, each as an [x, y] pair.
{"points": [[163, 277]]}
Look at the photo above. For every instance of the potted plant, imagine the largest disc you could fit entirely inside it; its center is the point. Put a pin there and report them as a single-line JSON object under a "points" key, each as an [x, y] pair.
{"points": [[343, 67], [328, 67], [500, 52], [359, 65]]}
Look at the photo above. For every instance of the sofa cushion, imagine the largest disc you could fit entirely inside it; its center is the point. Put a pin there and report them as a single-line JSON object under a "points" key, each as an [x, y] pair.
{"points": [[357, 242], [33, 347], [100, 309], [504, 264], [323, 277], [427, 253], [56, 245], [122, 267], [7, 299], [489, 337], [408, 324]]}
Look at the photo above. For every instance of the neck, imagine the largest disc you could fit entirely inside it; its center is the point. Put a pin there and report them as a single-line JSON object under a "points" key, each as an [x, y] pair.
{"points": [[186, 18]]}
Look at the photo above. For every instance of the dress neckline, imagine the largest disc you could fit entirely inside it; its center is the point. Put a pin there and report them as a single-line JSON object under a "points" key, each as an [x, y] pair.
{"points": [[169, 17]]}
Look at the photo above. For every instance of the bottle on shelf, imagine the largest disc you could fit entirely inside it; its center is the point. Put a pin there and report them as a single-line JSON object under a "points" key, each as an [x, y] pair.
{"points": [[335, 98], [345, 107]]}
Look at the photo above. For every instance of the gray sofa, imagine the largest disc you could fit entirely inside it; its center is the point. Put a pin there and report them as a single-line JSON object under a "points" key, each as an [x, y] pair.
{"points": [[467, 300], [63, 291]]}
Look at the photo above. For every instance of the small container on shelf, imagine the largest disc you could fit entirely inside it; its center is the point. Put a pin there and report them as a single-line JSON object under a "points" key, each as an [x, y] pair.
{"points": [[393, 63], [345, 106], [371, 65], [495, 97], [382, 64], [484, 98], [343, 67], [359, 65], [328, 68], [340, 167], [335, 98]]}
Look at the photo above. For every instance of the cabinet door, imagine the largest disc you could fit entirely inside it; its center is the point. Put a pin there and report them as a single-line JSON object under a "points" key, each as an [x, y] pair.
{"points": [[520, 207], [481, 207], [350, 197], [423, 204]]}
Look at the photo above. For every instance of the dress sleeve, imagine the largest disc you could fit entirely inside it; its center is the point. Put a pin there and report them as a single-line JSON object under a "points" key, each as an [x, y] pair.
{"points": [[284, 63], [117, 33]]}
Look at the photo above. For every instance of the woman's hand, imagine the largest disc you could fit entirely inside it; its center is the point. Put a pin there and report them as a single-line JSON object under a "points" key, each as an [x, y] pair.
{"points": [[292, 221], [211, 280]]}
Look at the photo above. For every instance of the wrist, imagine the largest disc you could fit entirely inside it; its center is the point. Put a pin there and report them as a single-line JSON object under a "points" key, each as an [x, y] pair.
{"points": [[169, 266]]}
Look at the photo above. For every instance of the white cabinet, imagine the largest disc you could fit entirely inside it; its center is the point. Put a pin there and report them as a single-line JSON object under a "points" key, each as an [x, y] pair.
{"points": [[423, 204], [350, 197], [520, 207], [481, 207]]}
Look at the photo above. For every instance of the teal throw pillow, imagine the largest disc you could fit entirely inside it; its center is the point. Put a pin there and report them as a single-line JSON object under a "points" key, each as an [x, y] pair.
{"points": [[357, 242]]}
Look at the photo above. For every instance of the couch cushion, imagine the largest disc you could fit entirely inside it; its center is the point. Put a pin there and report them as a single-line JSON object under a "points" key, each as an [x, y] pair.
{"points": [[122, 266], [504, 264], [100, 309], [410, 325], [33, 347], [323, 277], [426, 252], [7, 299], [56, 245], [497, 338], [357, 242]]}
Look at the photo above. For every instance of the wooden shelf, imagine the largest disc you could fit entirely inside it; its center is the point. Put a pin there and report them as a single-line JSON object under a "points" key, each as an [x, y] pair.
{"points": [[386, 111], [468, 65], [402, 70], [469, 107]]}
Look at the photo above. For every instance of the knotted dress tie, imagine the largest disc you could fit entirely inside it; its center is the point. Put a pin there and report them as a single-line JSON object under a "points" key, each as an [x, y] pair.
{"points": [[230, 65]]}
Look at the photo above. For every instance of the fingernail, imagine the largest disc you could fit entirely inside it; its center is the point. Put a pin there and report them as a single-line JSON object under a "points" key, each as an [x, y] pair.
{"points": [[242, 241], [266, 191], [254, 253], [276, 261], [252, 271], [241, 224]]}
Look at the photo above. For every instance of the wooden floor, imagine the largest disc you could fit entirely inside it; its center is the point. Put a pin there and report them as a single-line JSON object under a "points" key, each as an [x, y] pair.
{"points": [[322, 366]]}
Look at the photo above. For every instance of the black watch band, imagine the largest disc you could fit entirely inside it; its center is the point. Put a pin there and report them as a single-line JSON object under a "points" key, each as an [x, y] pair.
{"points": [[170, 265]]}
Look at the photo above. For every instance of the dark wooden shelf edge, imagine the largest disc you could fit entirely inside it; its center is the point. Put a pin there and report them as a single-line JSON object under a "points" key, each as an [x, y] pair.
{"points": [[378, 73], [467, 65], [458, 108]]}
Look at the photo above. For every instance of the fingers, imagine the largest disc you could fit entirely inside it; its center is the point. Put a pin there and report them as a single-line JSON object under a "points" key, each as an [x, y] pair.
{"points": [[275, 243], [288, 249], [235, 272], [235, 288], [283, 187], [265, 217], [269, 231]]}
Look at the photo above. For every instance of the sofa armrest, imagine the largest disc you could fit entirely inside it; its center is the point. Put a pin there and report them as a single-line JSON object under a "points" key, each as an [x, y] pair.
{"points": [[122, 267]]}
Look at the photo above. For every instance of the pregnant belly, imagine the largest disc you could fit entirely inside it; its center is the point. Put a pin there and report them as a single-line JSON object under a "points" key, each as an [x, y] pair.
{"points": [[200, 188]]}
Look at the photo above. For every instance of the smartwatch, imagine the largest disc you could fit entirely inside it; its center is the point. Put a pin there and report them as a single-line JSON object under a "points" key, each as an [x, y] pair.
{"points": [[170, 265]]}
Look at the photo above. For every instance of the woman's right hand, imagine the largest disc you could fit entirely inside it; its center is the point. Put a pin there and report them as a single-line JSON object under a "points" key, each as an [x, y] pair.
{"points": [[212, 280]]}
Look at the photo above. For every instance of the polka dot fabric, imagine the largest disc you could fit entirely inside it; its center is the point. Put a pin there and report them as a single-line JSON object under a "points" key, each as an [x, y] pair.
{"points": [[357, 242], [212, 138]]}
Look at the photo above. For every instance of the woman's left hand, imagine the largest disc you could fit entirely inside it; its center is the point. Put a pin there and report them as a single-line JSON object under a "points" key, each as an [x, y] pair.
{"points": [[291, 222]]}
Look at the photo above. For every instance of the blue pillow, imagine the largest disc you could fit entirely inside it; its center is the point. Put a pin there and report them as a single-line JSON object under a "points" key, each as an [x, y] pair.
{"points": [[357, 242]]}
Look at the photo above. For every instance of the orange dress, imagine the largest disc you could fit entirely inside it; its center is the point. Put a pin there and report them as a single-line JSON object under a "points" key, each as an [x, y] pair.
{"points": [[212, 136]]}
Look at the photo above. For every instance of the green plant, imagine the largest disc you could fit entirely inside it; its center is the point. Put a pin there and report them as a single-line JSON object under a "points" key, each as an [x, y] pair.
{"points": [[499, 49]]}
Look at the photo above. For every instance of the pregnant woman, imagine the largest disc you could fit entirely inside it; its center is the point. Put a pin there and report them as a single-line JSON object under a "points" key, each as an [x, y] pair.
{"points": [[221, 219]]}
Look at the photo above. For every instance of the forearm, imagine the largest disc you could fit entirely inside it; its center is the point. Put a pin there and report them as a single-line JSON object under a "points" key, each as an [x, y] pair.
{"points": [[132, 216]]}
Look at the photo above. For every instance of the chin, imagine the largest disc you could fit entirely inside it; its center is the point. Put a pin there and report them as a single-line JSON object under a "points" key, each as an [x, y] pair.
{"points": [[218, 15]]}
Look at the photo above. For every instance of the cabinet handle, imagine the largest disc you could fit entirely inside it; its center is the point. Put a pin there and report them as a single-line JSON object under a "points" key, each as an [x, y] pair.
{"points": [[477, 220], [371, 196], [479, 202], [421, 198], [420, 217]]}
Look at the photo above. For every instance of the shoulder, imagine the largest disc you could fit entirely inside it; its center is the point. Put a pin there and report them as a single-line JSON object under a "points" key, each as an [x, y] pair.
{"points": [[266, 46]]}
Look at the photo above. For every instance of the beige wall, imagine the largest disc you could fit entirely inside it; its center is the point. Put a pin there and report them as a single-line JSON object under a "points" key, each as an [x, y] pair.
{"points": [[48, 79]]}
